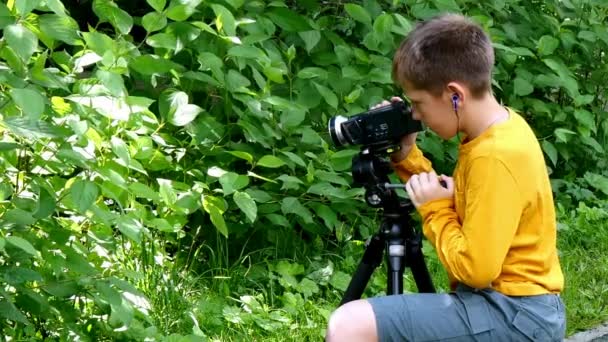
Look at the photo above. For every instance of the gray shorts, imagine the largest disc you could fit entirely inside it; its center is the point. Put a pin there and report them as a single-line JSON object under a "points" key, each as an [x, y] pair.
{"points": [[469, 315]]}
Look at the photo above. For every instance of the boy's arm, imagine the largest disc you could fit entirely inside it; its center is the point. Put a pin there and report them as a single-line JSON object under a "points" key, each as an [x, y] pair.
{"points": [[473, 252], [413, 164]]}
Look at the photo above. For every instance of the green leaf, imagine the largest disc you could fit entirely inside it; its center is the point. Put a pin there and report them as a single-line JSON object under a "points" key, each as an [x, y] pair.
{"points": [[597, 181], [6, 18], [21, 40], [330, 218], [246, 204], [34, 129], [152, 64], [60, 27], [130, 227], [550, 150], [182, 9], [340, 280], [358, 13], [19, 217], [56, 6], [310, 38], [312, 72], [166, 191], [158, 5], [243, 155], [143, 191], [295, 158], [562, 134], [30, 101], [587, 35], [522, 87], [307, 287], [84, 194], [22, 244], [224, 21], [9, 311], [585, 118], [112, 81], [547, 44], [383, 25], [327, 94], [174, 106], [231, 182], [154, 21], [26, 6], [216, 216], [291, 205], [120, 149], [288, 20], [590, 141], [46, 204], [5, 146], [108, 11], [270, 161]]}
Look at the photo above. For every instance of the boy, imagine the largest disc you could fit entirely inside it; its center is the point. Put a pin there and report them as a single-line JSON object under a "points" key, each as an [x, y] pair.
{"points": [[493, 225]]}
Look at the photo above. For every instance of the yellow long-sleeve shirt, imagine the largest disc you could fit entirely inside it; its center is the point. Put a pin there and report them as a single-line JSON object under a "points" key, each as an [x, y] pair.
{"points": [[499, 230]]}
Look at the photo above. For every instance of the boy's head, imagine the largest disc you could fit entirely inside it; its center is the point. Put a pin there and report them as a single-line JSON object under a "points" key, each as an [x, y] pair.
{"points": [[444, 63], [445, 49]]}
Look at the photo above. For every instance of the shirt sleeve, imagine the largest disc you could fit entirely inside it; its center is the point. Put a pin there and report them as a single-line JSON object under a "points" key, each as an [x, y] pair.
{"points": [[473, 252], [414, 163]]}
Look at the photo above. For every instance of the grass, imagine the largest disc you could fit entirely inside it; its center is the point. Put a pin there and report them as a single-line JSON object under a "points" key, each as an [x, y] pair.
{"points": [[264, 296]]}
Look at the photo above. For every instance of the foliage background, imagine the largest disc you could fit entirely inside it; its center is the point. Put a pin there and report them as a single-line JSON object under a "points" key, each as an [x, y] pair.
{"points": [[167, 172]]}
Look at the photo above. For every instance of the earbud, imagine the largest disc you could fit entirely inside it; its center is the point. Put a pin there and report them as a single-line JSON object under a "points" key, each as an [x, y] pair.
{"points": [[455, 99]]}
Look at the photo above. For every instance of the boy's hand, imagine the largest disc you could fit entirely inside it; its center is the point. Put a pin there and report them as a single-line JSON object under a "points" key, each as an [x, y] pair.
{"points": [[425, 187], [407, 142]]}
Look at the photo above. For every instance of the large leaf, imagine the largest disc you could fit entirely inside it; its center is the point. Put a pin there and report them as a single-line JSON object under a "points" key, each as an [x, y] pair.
{"points": [[30, 101], [22, 244], [84, 194], [224, 20], [34, 129], [108, 11], [246, 204], [288, 20], [152, 64], [21, 40], [174, 107], [215, 213], [358, 13], [60, 27]]}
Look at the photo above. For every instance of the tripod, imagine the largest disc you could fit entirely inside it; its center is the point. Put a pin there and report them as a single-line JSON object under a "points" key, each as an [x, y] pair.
{"points": [[402, 244]]}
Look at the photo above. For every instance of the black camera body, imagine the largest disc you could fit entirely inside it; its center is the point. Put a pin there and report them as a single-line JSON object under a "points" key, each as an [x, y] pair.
{"points": [[382, 126]]}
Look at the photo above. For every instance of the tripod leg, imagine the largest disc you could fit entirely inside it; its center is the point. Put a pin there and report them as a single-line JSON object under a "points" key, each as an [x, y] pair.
{"points": [[371, 259], [395, 267], [415, 260]]}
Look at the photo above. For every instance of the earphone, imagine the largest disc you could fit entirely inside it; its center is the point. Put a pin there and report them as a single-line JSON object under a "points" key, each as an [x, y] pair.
{"points": [[455, 99]]}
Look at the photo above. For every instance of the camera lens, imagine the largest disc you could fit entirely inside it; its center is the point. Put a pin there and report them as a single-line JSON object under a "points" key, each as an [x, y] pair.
{"points": [[335, 130]]}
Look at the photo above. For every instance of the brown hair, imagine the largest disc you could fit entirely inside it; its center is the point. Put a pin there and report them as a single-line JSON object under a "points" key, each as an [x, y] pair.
{"points": [[446, 48]]}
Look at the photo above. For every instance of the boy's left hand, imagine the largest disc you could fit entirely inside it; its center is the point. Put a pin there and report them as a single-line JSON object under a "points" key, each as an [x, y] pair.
{"points": [[425, 187]]}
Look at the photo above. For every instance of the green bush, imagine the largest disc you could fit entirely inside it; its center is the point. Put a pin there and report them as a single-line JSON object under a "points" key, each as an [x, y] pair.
{"points": [[177, 136]]}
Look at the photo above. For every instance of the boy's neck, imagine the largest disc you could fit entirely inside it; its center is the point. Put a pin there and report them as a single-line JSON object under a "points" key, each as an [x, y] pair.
{"points": [[480, 115]]}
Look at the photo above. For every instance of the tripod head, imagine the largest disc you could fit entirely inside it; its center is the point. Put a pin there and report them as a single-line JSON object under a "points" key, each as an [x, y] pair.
{"points": [[370, 169]]}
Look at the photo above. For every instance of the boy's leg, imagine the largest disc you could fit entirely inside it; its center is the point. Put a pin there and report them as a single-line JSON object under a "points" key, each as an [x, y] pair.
{"points": [[465, 315], [412, 317], [353, 322]]}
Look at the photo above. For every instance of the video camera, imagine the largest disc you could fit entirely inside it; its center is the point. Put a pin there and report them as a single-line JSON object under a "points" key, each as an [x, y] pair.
{"points": [[377, 128]]}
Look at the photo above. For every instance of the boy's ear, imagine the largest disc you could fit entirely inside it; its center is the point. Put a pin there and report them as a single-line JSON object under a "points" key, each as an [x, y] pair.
{"points": [[456, 92]]}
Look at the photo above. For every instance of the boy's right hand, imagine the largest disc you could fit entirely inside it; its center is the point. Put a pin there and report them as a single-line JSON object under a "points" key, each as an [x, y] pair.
{"points": [[407, 142]]}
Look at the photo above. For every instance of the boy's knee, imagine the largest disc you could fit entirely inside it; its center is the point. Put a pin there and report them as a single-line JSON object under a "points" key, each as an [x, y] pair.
{"points": [[354, 321]]}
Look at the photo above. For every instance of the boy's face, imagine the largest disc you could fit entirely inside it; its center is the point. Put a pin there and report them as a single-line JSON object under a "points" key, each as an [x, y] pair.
{"points": [[436, 112]]}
